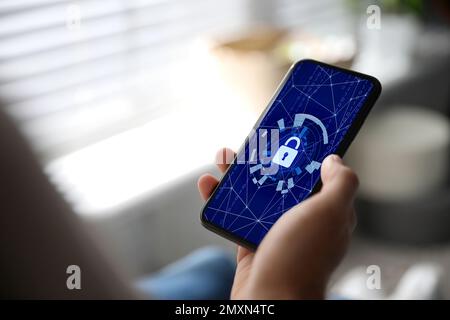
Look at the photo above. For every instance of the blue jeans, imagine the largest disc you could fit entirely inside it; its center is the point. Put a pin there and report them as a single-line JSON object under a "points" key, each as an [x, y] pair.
{"points": [[204, 274]]}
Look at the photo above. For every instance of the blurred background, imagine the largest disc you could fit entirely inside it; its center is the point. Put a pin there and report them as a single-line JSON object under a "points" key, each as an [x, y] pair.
{"points": [[126, 103]]}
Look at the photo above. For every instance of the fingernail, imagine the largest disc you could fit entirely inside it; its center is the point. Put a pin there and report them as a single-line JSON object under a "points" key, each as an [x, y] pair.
{"points": [[336, 158]]}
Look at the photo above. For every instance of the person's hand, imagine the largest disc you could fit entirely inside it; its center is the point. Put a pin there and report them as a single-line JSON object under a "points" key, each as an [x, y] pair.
{"points": [[302, 249]]}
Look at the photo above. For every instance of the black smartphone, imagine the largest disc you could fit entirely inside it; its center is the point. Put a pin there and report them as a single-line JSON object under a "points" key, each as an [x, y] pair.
{"points": [[317, 110]]}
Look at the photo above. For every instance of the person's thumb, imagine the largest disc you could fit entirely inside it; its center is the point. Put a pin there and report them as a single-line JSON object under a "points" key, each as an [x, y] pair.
{"points": [[339, 181]]}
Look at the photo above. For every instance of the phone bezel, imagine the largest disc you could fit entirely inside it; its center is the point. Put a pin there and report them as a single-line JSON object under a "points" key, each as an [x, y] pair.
{"points": [[342, 148]]}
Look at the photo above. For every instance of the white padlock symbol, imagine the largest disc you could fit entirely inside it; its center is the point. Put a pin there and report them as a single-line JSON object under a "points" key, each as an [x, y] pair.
{"points": [[286, 155]]}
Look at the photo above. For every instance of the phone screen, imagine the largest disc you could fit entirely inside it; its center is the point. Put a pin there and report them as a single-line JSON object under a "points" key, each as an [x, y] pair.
{"points": [[316, 112]]}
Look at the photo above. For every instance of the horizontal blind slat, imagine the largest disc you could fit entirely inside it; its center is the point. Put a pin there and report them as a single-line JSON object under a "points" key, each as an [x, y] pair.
{"points": [[68, 88], [55, 16], [97, 88], [31, 43], [66, 76]]}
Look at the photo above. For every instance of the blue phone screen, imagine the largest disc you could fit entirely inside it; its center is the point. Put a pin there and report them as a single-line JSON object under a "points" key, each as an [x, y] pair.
{"points": [[311, 113]]}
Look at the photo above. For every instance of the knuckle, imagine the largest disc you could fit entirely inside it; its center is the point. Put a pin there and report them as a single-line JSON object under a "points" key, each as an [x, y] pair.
{"points": [[349, 176]]}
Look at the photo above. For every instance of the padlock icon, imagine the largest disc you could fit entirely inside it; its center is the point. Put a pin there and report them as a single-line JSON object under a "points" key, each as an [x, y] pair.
{"points": [[285, 154]]}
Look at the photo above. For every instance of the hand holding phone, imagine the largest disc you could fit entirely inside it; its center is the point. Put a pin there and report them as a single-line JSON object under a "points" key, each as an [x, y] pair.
{"points": [[316, 111], [298, 255]]}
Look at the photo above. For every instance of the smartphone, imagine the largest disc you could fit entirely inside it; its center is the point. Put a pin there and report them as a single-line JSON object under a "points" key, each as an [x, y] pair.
{"points": [[317, 110]]}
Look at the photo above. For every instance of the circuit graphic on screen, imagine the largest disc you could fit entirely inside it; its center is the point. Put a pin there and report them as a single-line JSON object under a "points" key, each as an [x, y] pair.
{"points": [[311, 113]]}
